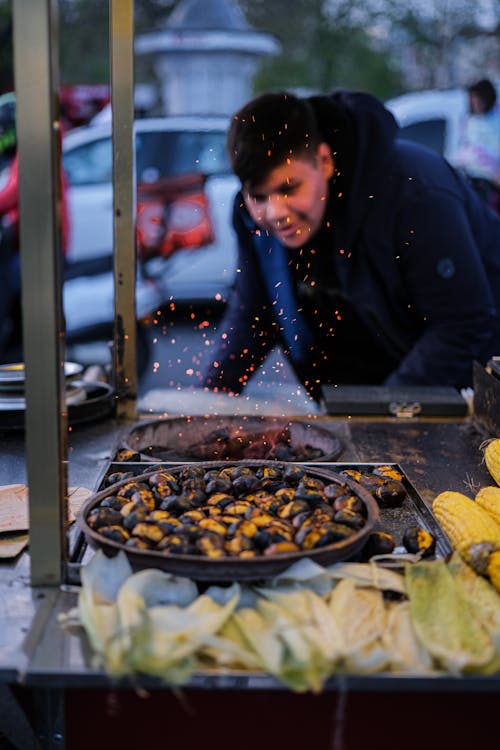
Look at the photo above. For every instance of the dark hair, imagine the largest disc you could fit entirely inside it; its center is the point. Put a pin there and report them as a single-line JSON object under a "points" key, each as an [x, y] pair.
{"points": [[485, 90], [268, 130]]}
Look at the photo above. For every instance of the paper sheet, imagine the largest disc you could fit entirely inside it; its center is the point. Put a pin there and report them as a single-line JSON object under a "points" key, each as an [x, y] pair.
{"points": [[14, 506]]}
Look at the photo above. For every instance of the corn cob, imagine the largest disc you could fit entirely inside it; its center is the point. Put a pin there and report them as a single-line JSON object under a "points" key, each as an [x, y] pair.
{"points": [[494, 569], [464, 521], [492, 458], [489, 499]]}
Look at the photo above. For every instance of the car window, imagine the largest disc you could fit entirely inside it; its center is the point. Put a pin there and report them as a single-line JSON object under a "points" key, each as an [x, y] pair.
{"points": [[158, 154], [430, 133], [163, 154], [90, 163]]}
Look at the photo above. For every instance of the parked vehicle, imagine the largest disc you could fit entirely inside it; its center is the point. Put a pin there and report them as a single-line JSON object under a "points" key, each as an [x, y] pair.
{"points": [[433, 118], [165, 148]]}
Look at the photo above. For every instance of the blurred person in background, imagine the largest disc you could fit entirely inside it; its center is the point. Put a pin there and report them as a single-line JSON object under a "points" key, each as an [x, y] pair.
{"points": [[369, 259], [10, 274], [10, 263], [478, 154]]}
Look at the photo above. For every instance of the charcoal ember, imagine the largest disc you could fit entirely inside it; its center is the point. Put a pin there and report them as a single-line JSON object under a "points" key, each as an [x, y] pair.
{"points": [[283, 452], [309, 454]]}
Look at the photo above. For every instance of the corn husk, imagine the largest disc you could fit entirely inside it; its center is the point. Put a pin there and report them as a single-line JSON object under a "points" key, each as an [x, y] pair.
{"points": [[361, 619], [369, 574], [406, 654], [483, 602], [443, 622]]}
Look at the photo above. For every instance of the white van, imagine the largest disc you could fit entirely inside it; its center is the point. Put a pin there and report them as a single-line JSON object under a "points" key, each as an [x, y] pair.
{"points": [[433, 118]]}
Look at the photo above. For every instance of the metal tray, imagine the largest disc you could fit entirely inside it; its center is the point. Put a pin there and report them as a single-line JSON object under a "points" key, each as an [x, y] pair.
{"points": [[393, 520], [413, 511], [231, 568]]}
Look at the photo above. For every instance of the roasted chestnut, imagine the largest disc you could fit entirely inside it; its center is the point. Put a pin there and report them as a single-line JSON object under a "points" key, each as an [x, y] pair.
{"points": [[233, 510], [378, 543], [419, 540], [390, 494]]}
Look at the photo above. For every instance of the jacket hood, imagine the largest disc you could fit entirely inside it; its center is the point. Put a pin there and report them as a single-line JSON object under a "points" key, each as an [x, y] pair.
{"points": [[361, 132]]}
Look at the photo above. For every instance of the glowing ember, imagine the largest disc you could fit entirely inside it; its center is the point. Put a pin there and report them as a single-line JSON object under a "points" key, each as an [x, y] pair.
{"points": [[235, 445]]}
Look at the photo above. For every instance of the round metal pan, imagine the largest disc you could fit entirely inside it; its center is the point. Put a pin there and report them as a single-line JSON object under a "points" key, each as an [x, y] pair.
{"points": [[229, 569], [95, 401], [191, 439]]}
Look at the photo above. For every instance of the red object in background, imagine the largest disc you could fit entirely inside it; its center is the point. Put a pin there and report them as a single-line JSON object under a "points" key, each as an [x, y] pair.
{"points": [[80, 102], [9, 204], [172, 213]]}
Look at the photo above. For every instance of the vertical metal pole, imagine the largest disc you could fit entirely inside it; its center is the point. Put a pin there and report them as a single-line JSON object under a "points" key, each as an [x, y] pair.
{"points": [[36, 80], [122, 102]]}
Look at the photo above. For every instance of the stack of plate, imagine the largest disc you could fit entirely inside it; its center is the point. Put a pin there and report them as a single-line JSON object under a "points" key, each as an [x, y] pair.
{"points": [[12, 385]]}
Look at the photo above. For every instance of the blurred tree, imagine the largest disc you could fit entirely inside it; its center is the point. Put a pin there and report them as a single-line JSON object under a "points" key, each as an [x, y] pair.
{"points": [[324, 46], [6, 68], [384, 46], [446, 43], [84, 36], [83, 41]]}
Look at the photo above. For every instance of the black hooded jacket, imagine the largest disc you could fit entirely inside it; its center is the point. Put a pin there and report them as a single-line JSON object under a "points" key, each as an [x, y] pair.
{"points": [[413, 249]]}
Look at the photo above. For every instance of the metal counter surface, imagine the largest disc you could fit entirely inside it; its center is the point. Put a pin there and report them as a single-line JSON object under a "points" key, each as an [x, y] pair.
{"points": [[36, 651]]}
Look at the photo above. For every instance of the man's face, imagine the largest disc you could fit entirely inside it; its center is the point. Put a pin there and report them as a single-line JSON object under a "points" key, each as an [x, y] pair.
{"points": [[291, 202]]}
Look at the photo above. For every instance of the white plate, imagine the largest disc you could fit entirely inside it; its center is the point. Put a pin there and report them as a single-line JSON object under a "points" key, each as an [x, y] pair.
{"points": [[12, 375]]}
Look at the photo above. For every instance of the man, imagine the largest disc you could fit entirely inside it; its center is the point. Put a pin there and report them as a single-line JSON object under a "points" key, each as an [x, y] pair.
{"points": [[10, 280], [369, 259]]}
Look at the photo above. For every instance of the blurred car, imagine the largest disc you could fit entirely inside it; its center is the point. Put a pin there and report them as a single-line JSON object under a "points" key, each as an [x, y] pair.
{"points": [[165, 149], [433, 118]]}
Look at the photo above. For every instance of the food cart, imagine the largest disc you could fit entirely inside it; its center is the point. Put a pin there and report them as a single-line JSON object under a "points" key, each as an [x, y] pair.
{"points": [[49, 669]]}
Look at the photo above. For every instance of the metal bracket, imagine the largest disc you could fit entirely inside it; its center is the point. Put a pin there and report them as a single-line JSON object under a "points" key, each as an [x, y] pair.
{"points": [[405, 410]]}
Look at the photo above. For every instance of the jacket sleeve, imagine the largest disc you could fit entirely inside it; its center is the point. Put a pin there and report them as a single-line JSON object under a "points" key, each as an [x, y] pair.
{"points": [[246, 333], [449, 290]]}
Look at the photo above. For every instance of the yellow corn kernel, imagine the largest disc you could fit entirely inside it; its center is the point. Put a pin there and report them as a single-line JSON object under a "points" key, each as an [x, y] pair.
{"points": [[464, 521], [492, 458], [489, 499], [493, 569]]}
